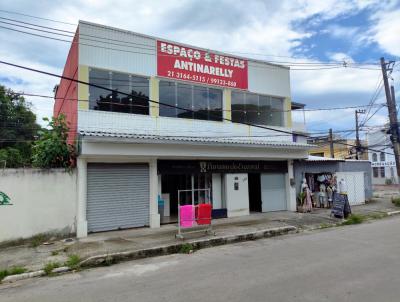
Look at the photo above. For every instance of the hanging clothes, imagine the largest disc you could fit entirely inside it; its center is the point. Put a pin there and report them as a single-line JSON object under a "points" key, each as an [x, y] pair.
{"points": [[204, 214], [187, 216], [308, 202]]}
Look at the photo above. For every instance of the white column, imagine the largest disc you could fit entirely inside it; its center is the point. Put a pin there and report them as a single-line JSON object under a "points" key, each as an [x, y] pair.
{"points": [[290, 190], [153, 202], [81, 221]]}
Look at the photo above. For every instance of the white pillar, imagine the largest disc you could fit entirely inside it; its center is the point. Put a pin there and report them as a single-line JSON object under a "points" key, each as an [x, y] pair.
{"points": [[81, 221], [153, 202], [290, 190]]}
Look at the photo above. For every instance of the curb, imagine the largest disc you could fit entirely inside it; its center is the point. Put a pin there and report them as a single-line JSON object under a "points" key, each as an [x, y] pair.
{"points": [[40, 273], [393, 213], [108, 259]]}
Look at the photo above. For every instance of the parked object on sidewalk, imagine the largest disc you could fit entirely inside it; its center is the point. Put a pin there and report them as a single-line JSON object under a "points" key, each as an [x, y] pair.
{"points": [[186, 216], [192, 215], [338, 206], [204, 214]]}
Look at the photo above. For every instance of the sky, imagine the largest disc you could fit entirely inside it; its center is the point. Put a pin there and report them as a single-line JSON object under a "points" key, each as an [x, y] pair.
{"points": [[311, 31]]}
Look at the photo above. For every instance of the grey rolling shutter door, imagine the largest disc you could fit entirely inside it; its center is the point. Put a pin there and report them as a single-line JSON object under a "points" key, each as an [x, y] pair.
{"points": [[117, 196]]}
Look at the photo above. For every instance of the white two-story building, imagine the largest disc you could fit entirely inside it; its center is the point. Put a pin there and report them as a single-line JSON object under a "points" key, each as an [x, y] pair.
{"points": [[383, 163], [160, 116]]}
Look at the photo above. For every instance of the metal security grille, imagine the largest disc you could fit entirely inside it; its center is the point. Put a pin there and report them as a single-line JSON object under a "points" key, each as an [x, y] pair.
{"points": [[117, 196]]}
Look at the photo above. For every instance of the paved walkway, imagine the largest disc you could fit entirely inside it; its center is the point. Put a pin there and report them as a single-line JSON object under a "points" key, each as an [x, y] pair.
{"points": [[35, 258]]}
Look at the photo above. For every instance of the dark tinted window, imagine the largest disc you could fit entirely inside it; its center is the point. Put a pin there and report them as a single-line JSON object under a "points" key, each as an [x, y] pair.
{"points": [[383, 172], [130, 95], [203, 103], [375, 171], [382, 156], [257, 109]]}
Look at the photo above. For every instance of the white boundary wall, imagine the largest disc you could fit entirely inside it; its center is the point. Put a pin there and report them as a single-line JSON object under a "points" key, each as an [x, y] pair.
{"points": [[44, 201]]}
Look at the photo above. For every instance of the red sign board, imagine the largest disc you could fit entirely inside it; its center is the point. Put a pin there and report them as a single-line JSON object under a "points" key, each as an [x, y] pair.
{"points": [[190, 64]]}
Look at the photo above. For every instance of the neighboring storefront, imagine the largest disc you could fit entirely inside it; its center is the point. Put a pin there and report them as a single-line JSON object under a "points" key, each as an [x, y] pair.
{"points": [[163, 117], [321, 172]]}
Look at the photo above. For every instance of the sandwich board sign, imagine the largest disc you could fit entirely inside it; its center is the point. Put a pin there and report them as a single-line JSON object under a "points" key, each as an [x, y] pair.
{"points": [[339, 202]]}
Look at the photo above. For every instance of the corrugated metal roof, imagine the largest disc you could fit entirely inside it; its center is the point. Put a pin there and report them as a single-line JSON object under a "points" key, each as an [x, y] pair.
{"points": [[194, 139]]}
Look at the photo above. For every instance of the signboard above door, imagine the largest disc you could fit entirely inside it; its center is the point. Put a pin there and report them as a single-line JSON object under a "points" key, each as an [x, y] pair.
{"points": [[220, 166], [195, 65]]}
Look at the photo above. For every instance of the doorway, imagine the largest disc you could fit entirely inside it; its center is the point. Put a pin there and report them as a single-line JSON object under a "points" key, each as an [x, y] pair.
{"points": [[255, 203]]}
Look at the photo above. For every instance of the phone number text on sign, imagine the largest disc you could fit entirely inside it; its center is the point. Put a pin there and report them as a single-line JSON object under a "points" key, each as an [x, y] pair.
{"points": [[183, 63], [200, 79]]}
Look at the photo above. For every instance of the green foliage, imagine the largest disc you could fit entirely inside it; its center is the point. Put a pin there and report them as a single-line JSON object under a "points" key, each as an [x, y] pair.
{"points": [[186, 248], [48, 268], [388, 181], [38, 239], [301, 197], [73, 261], [15, 270], [52, 150], [354, 219], [396, 201], [18, 128]]}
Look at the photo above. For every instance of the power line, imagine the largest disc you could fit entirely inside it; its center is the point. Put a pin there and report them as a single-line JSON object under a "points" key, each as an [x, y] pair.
{"points": [[332, 65], [30, 16], [152, 101]]}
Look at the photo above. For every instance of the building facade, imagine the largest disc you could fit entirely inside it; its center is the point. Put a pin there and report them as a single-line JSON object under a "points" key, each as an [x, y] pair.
{"points": [[161, 120], [342, 148], [382, 160]]}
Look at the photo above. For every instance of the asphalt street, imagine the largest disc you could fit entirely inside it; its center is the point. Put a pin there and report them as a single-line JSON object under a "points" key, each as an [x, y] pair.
{"points": [[354, 263]]}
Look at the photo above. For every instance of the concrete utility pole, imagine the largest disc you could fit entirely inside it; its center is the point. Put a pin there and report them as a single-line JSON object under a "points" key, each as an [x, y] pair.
{"points": [[394, 125], [331, 143], [358, 144]]}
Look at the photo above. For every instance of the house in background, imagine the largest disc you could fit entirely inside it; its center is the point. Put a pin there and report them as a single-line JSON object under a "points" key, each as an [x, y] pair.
{"points": [[383, 163], [343, 148], [165, 117]]}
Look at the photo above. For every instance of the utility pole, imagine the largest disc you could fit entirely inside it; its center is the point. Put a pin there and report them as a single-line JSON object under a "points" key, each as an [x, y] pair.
{"points": [[358, 144], [331, 143], [391, 104]]}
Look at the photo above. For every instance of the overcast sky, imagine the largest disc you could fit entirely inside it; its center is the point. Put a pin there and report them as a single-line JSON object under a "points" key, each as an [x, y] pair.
{"points": [[310, 31]]}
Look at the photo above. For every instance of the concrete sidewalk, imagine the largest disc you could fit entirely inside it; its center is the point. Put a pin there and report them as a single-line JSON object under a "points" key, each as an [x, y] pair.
{"points": [[136, 240]]}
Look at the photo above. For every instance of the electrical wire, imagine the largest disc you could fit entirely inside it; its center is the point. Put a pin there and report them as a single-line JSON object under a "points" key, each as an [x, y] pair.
{"points": [[167, 105]]}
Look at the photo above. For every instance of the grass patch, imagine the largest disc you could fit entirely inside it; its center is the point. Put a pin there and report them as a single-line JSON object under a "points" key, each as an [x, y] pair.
{"points": [[326, 225], [73, 261], [377, 215], [48, 268], [55, 253], [15, 270], [354, 219], [186, 248], [396, 201], [38, 240]]}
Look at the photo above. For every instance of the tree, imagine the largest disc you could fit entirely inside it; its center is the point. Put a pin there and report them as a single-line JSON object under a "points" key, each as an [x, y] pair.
{"points": [[51, 150], [18, 129]]}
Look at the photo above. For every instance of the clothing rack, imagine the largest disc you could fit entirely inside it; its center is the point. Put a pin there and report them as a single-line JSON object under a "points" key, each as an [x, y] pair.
{"points": [[195, 228]]}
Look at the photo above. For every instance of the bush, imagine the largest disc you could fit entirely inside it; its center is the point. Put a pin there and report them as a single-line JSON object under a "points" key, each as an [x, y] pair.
{"points": [[52, 149], [186, 248], [73, 261], [396, 201], [48, 268], [15, 270], [11, 158], [354, 219], [388, 181]]}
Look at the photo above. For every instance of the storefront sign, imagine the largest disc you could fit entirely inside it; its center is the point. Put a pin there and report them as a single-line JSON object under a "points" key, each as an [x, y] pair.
{"points": [[383, 164], [4, 199], [224, 166], [189, 64]]}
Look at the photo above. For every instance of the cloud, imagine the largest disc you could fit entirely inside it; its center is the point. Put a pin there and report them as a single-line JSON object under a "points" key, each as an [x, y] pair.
{"points": [[270, 28]]}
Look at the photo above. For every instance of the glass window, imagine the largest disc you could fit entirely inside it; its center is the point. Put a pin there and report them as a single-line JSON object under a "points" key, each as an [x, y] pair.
{"points": [[168, 96], [375, 171], [215, 104], [185, 100], [264, 110], [383, 172], [382, 156], [205, 102], [200, 103], [118, 100], [374, 157], [276, 112], [238, 107], [257, 109]]}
